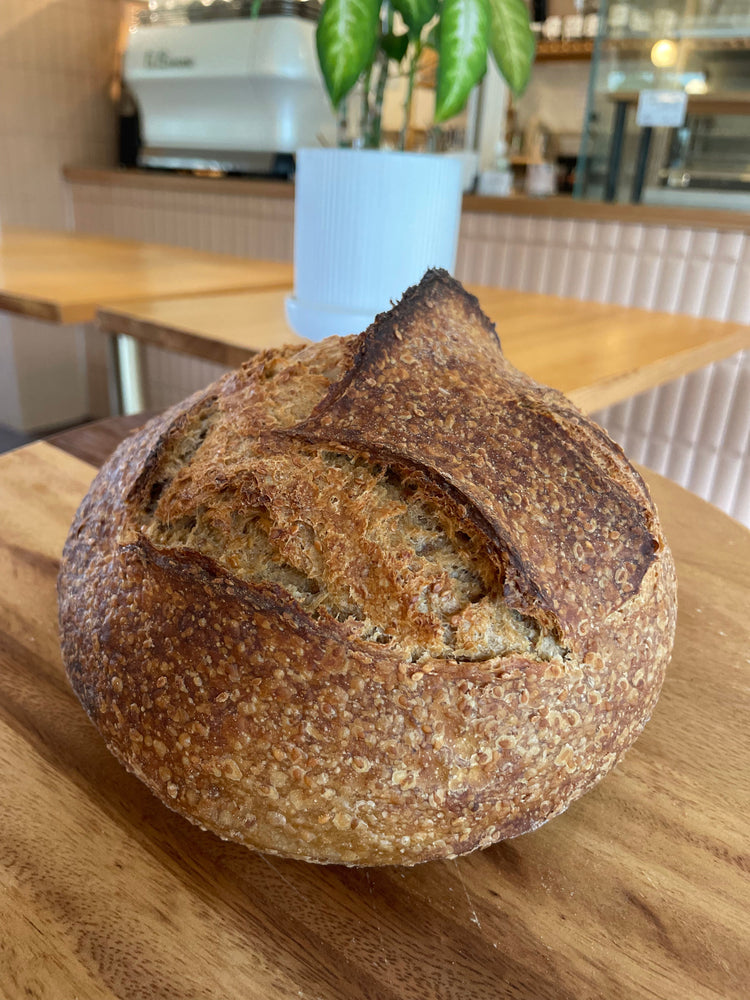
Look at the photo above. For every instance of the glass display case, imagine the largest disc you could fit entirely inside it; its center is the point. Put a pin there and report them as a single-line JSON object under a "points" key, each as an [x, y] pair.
{"points": [[668, 110]]}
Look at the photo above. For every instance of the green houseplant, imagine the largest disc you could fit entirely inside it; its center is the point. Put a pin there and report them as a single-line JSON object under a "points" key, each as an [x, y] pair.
{"points": [[369, 221], [358, 42]]}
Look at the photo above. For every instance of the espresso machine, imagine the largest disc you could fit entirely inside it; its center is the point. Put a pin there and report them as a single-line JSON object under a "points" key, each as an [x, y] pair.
{"points": [[228, 86]]}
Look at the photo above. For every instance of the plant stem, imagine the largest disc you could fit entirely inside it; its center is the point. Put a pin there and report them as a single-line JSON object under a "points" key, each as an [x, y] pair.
{"points": [[364, 124], [416, 52], [377, 123], [376, 113], [341, 124]]}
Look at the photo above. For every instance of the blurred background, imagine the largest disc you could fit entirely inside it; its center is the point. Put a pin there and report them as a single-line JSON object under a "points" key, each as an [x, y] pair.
{"points": [[173, 122]]}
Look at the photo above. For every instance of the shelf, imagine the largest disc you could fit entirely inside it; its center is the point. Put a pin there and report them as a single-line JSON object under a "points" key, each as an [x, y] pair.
{"points": [[704, 43], [712, 33], [579, 49], [560, 207], [583, 48], [729, 103]]}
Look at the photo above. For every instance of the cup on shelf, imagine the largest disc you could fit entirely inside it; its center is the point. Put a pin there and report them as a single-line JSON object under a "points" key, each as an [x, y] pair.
{"points": [[591, 26], [541, 180], [552, 28], [572, 27]]}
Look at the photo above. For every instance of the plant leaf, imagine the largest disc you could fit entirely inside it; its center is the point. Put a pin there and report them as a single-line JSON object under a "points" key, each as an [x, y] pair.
{"points": [[512, 42], [346, 37], [395, 46], [464, 27], [416, 13]]}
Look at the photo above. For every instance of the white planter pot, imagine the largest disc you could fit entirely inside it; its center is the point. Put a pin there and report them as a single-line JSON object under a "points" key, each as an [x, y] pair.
{"points": [[367, 225]]}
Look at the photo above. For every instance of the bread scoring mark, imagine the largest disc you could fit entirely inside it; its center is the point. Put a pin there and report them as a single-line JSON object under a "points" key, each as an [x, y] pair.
{"points": [[171, 452], [368, 543], [401, 576], [565, 516]]}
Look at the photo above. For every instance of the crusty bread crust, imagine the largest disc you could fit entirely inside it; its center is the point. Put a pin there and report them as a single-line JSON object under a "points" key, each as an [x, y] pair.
{"points": [[374, 601]]}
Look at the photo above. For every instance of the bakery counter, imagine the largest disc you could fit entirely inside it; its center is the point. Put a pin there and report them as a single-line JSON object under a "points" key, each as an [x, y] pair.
{"points": [[162, 180], [560, 207]]}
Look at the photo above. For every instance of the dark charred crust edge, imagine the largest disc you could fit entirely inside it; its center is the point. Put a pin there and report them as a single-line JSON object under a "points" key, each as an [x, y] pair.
{"points": [[439, 282], [373, 342]]}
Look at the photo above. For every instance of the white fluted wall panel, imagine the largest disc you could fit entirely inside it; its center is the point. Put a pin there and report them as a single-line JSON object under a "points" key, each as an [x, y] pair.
{"points": [[169, 380], [695, 430], [698, 272], [239, 224]]}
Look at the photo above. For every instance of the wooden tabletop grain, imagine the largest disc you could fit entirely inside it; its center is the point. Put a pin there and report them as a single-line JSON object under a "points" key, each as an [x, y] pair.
{"points": [[641, 890], [597, 354], [63, 277]]}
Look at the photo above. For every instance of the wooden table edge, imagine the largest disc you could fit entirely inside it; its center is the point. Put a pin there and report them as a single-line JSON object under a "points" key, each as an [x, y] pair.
{"points": [[116, 323], [32, 307], [116, 318], [65, 314], [618, 388]]}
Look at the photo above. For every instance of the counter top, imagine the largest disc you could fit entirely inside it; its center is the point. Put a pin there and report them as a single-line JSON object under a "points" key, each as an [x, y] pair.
{"points": [[560, 207]]}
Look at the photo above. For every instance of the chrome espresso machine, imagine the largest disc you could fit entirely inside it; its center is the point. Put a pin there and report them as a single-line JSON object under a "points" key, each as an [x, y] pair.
{"points": [[222, 87]]}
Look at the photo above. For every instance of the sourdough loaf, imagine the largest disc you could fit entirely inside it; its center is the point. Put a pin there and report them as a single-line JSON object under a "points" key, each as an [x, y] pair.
{"points": [[376, 600]]}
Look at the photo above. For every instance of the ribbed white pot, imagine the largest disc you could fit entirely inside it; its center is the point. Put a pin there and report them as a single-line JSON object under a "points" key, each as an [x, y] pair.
{"points": [[367, 225]]}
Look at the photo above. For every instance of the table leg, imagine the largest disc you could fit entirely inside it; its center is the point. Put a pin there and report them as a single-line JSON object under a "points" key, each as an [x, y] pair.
{"points": [[615, 152], [130, 370], [641, 162], [113, 377]]}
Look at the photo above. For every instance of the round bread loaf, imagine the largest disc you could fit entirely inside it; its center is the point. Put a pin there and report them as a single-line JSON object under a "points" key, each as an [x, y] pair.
{"points": [[376, 600]]}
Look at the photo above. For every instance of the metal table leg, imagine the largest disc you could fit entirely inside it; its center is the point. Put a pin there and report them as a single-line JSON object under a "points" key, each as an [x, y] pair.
{"points": [[130, 358], [615, 152], [113, 377], [126, 375], [641, 162]]}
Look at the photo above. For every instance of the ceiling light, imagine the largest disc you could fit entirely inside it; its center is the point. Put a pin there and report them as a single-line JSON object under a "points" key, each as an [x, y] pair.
{"points": [[664, 53]]}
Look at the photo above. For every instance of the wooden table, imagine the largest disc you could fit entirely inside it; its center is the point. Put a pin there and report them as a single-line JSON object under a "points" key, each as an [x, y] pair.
{"points": [[641, 890], [63, 278], [597, 354]]}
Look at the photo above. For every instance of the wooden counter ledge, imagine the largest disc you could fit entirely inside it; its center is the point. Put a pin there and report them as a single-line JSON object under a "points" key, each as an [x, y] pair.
{"points": [[561, 207]]}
